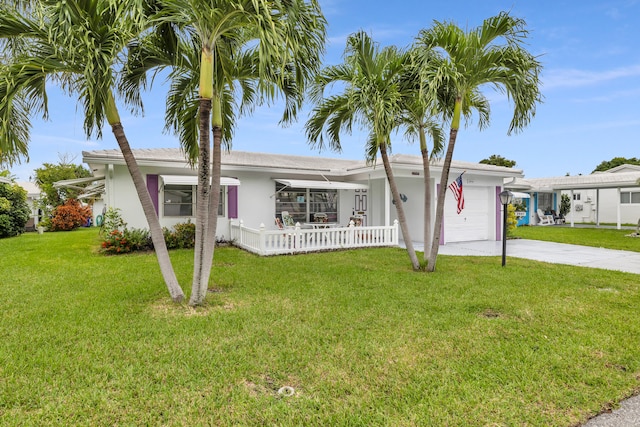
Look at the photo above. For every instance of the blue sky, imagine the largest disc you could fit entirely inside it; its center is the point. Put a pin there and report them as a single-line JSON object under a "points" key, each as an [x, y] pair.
{"points": [[591, 85]]}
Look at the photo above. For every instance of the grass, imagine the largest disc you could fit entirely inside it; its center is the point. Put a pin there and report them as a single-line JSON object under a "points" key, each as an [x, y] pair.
{"points": [[598, 237], [92, 340]]}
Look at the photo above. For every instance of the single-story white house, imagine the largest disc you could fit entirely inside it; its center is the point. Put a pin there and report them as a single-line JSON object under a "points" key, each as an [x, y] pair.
{"points": [[612, 196], [33, 195], [258, 187]]}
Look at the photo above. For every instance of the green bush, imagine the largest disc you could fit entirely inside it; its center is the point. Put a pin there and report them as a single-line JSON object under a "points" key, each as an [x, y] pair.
{"points": [[70, 216], [181, 236], [122, 242], [118, 239], [14, 211]]}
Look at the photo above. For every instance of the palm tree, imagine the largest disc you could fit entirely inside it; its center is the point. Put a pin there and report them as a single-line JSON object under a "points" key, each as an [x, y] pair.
{"points": [[472, 60], [265, 47], [371, 97], [421, 116], [78, 44]]}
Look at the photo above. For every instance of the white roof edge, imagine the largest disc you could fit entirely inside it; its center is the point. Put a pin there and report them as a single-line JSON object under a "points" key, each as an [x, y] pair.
{"points": [[325, 185], [193, 180]]}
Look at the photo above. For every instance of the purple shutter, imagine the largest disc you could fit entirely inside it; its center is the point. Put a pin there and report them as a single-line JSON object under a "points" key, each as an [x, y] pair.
{"points": [[498, 212], [232, 209], [152, 186]]}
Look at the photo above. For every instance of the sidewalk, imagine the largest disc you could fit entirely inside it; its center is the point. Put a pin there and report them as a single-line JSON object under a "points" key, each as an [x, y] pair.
{"points": [[628, 414]]}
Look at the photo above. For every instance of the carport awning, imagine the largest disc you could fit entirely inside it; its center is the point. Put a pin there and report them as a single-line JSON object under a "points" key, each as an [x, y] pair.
{"points": [[324, 185], [193, 180]]}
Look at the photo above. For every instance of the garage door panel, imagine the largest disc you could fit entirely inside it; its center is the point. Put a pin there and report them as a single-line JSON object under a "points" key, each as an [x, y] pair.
{"points": [[473, 222]]}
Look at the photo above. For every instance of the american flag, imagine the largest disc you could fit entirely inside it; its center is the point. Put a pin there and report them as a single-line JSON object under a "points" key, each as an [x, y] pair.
{"points": [[456, 188]]}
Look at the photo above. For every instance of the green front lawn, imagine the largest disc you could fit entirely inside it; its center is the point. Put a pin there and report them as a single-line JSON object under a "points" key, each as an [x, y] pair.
{"points": [[87, 339], [598, 237]]}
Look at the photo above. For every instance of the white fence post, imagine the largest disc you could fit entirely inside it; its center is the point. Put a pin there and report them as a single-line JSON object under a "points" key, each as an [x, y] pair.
{"points": [[395, 232], [263, 238]]}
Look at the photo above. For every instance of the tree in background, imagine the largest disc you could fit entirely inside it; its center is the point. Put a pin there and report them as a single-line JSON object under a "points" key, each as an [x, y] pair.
{"points": [[49, 174], [498, 160], [616, 161], [14, 211]]}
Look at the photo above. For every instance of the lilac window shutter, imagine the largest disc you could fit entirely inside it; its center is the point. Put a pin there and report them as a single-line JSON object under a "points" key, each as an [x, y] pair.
{"points": [[152, 186], [233, 202]]}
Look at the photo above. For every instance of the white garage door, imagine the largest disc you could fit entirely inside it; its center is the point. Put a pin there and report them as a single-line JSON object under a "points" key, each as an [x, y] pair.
{"points": [[474, 222]]}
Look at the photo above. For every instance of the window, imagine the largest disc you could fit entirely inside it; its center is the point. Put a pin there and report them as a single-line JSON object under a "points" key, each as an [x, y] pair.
{"points": [[302, 203], [545, 201], [180, 200], [576, 196], [627, 197]]}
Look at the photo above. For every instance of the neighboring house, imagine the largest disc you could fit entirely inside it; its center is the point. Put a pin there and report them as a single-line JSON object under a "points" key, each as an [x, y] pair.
{"points": [[33, 195], [612, 196], [257, 187]]}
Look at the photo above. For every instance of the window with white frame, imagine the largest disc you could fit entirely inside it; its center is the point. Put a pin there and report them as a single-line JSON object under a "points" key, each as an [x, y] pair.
{"points": [[628, 197], [180, 200], [576, 196], [302, 203]]}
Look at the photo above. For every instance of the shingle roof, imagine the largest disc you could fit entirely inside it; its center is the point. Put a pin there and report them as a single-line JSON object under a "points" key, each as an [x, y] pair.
{"points": [[244, 159], [596, 180]]}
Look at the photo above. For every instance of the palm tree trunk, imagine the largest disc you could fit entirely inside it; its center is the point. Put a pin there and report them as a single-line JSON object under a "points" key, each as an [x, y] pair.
{"points": [[214, 200], [159, 244], [202, 204], [415, 263], [442, 192], [427, 193]]}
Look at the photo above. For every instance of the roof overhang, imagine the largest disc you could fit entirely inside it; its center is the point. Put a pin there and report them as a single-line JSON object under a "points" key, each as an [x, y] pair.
{"points": [[73, 183], [193, 180], [4, 180], [323, 185]]}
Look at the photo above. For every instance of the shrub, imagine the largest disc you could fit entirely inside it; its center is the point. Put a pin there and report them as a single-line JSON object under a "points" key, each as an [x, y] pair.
{"points": [[512, 220], [14, 210], [122, 242], [112, 220], [181, 236], [70, 216]]}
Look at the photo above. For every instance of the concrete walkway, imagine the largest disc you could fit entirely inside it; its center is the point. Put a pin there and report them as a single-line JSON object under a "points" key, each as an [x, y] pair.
{"points": [[628, 414], [558, 253]]}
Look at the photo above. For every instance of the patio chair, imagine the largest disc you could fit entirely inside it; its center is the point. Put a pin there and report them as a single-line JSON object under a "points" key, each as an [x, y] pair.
{"points": [[320, 217], [287, 220], [545, 219]]}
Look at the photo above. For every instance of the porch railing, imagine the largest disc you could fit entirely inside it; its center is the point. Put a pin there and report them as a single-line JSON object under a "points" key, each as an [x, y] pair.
{"points": [[300, 240]]}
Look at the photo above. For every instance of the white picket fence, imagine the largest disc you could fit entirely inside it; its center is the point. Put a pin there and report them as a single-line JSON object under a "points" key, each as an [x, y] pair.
{"points": [[300, 240]]}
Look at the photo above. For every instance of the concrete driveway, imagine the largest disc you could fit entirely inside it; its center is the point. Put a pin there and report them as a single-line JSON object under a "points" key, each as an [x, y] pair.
{"points": [[558, 253]]}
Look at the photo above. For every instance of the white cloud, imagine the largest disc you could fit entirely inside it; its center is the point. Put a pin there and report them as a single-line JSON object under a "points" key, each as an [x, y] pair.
{"points": [[560, 78]]}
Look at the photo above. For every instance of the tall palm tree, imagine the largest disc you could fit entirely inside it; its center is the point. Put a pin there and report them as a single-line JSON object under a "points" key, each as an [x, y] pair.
{"points": [[78, 44], [268, 48], [493, 55], [421, 116], [372, 98]]}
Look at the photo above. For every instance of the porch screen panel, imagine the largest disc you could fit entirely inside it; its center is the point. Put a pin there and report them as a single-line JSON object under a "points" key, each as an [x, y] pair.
{"points": [[302, 203]]}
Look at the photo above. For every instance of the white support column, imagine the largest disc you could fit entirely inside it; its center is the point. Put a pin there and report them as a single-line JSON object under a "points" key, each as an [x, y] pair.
{"points": [[572, 207], [618, 226], [597, 207], [387, 203]]}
